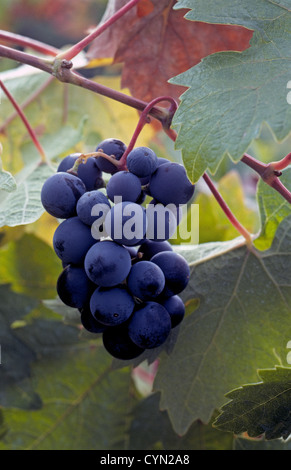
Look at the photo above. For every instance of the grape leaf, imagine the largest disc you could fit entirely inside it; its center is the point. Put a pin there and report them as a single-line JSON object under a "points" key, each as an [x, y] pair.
{"points": [[149, 426], [231, 94], [16, 356], [154, 43], [23, 206], [242, 319], [84, 405], [261, 408], [34, 275], [7, 182], [273, 209]]}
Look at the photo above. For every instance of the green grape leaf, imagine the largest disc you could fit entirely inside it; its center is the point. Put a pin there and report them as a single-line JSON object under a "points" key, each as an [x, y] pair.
{"points": [[84, 405], [30, 266], [261, 408], [273, 209], [7, 182], [231, 94], [23, 206], [16, 356], [150, 426], [242, 323]]}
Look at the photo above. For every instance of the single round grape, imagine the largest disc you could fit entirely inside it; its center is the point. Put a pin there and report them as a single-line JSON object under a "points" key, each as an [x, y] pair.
{"points": [[162, 223], [142, 162], [74, 287], [90, 174], [112, 147], [91, 199], [107, 264], [146, 280], [149, 325], [111, 306], [176, 271], [170, 184], [126, 223], [89, 322], [118, 343], [175, 308], [60, 194], [72, 239], [144, 181], [149, 248], [68, 162], [123, 186]]}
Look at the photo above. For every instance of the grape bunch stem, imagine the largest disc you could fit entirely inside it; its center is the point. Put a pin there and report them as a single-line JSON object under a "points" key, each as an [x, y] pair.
{"points": [[84, 157]]}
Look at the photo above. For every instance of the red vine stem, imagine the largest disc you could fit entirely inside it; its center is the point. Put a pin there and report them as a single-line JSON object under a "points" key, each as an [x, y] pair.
{"points": [[143, 120], [270, 173], [25, 122], [25, 58], [240, 228], [69, 54], [64, 74], [27, 102], [19, 40], [282, 164]]}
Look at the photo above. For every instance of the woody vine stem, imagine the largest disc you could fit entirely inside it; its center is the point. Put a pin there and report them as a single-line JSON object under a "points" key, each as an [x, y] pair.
{"points": [[60, 66]]}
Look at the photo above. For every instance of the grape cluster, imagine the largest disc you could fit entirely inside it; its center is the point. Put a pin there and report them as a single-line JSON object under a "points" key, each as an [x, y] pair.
{"points": [[119, 270]]}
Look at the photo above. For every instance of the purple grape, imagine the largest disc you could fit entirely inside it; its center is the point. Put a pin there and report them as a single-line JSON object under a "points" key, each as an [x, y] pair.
{"points": [[86, 203], [124, 186], [60, 194], [118, 343], [112, 147], [126, 223], [142, 162], [176, 271], [149, 326], [111, 306], [107, 264], [72, 239], [146, 280], [175, 308], [74, 287], [170, 184]]}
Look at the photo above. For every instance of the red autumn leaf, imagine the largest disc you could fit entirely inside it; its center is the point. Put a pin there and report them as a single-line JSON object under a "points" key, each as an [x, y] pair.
{"points": [[155, 43]]}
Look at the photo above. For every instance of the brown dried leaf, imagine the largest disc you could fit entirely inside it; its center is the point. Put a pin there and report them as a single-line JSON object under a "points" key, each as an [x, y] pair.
{"points": [[156, 43]]}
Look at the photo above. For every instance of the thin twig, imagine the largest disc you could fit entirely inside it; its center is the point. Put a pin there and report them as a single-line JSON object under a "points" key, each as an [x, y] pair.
{"points": [[24, 41], [69, 54], [270, 173], [25, 122], [231, 217], [65, 75], [143, 120], [26, 103]]}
